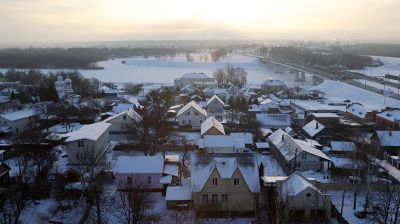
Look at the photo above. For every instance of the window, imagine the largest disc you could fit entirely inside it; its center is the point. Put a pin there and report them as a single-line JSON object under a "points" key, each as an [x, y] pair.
{"points": [[205, 198], [214, 181], [149, 180], [190, 121], [235, 181], [124, 117], [183, 121], [308, 195], [304, 156], [80, 144], [224, 198], [196, 113], [298, 164], [201, 121], [129, 180], [214, 198]]}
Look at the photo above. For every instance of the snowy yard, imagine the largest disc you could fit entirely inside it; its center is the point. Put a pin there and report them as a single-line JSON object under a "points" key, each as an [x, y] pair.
{"points": [[348, 211]]}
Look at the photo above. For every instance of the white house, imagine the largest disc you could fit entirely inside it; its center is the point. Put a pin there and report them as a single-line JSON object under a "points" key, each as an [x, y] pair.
{"points": [[88, 144], [221, 144], [121, 123], [18, 121], [294, 154], [191, 114], [215, 107], [212, 126], [198, 79]]}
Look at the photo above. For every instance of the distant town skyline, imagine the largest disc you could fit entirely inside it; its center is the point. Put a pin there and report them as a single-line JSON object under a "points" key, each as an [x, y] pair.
{"points": [[102, 20]]}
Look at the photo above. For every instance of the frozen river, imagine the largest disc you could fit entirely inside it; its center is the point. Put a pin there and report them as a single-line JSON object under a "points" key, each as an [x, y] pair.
{"points": [[152, 70]]}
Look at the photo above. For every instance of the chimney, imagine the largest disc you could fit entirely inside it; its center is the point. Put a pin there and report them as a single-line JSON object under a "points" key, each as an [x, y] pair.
{"points": [[316, 125], [283, 137]]}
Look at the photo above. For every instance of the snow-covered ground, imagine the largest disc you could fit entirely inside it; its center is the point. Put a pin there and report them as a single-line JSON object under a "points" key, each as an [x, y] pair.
{"points": [[137, 69], [340, 91], [378, 85], [348, 211], [391, 65]]}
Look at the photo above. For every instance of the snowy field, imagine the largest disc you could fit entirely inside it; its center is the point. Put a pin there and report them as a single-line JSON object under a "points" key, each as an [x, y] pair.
{"points": [[391, 65], [137, 69]]}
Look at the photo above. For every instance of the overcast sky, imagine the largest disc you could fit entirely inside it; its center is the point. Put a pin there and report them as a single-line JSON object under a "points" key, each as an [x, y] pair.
{"points": [[99, 20]]}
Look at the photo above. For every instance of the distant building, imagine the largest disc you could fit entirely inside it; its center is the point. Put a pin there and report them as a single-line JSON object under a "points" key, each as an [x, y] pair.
{"points": [[63, 87], [88, 144], [107, 91], [18, 121], [212, 126], [224, 185], [274, 121], [196, 79], [192, 115], [122, 123], [215, 107], [273, 85]]}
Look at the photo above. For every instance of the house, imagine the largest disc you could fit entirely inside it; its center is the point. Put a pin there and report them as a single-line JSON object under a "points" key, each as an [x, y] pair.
{"points": [[122, 123], [178, 197], [303, 201], [139, 172], [342, 147], [389, 119], [294, 154], [274, 121], [317, 131], [215, 107], [273, 85], [361, 114], [224, 185], [198, 79], [388, 141], [107, 91], [212, 126], [4, 174], [191, 114], [330, 120], [221, 144], [18, 121], [88, 144]]}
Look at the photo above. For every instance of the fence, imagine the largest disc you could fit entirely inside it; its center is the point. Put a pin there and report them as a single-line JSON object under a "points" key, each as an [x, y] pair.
{"points": [[393, 161]]}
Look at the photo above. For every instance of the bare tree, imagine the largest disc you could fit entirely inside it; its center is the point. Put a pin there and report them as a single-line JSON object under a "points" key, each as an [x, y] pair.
{"points": [[386, 205], [219, 75], [135, 206]]}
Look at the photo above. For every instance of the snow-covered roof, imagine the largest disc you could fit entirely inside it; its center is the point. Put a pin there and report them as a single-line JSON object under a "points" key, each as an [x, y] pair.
{"points": [[90, 132], [172, 158], [308, 105], [18, 115], [389, 138], [195, 75], [130, 113], [122, 107], [107, 90], [140, 164], [273, 120], [288, 146], [190, 105], [273, 82], [224, 141], [215, 97], [178, 193], [246, 136], [171, 169], [204, 165], [343, 146], [391, 115], [325, 115], [212, 122], [313, 128], [262, 145], [166, 179], [294, 184], [357, 110]]}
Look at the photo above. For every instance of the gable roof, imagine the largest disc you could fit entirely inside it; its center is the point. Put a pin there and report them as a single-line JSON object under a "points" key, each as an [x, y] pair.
{"points": [[89, 132], [247, 137], [195, 75], [18, 115], [287, 146], [130, 113], [271, 120], [190, 105], [215, 97], [391, 115], [295, 184], [140, 164], [211, 122], [313, 128], [389, 138], [204, 165]]}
